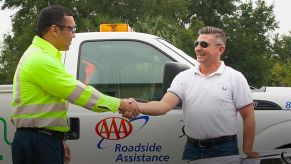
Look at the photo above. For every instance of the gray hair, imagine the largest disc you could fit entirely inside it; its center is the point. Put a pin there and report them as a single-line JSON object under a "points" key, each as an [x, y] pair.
{"points": [[219, 33]]}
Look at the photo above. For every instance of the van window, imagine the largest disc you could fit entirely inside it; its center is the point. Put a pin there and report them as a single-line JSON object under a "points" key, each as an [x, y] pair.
{"points": [[123, 68]]}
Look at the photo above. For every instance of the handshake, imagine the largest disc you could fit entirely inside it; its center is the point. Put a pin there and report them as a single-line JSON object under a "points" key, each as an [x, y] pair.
{"points": [[129, 108]]}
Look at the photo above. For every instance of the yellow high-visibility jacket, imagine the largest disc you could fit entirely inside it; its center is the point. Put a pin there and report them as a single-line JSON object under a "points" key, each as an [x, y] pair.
{"points": [[42, 87]]}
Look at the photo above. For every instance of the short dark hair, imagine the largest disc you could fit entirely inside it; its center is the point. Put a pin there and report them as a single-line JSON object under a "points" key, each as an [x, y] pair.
{"points": [[220, 34], [51, 15]]}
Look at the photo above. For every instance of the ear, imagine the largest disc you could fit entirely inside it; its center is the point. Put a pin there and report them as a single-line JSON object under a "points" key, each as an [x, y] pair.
{"points": [[54, 30], [221, 50]]}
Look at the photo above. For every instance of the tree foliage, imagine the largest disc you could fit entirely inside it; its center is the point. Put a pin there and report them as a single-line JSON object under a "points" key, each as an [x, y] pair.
{"points": [[281, 71], [250, 29], [249, 43]]}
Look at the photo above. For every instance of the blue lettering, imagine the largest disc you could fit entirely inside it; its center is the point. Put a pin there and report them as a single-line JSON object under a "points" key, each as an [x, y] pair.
{"points": [[129, 158], [166, 158], [137, 159], [117, 147], [138, 148], [119, 158], [158, 148], [155, 158], [148, 159], [131, 149], [142, 158], [288, 104]]}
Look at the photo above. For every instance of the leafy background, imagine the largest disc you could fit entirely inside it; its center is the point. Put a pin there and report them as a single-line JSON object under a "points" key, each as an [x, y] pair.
{"points": [[253, 46]]}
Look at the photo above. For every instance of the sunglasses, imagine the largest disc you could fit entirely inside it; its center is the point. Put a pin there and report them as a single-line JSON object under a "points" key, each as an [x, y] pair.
{"points": [[203, 44], [71, 28]]}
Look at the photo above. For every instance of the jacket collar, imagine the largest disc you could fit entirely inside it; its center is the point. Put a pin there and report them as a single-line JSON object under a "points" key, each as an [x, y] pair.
{"points": [[47, 46]]}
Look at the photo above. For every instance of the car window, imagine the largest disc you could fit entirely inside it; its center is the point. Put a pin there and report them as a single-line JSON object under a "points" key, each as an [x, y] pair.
{"points": [[123, 68]]}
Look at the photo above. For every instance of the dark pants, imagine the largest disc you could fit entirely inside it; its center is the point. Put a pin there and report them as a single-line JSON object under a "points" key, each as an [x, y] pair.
{"points": [[194, 152], [34, 147]]}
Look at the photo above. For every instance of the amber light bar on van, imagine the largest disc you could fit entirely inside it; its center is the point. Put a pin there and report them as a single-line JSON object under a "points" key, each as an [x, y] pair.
{"points": [[122, 27]]}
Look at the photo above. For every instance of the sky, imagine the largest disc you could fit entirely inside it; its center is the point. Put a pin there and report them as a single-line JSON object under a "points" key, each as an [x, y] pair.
{"points": [[5, 20], [282, 12]]}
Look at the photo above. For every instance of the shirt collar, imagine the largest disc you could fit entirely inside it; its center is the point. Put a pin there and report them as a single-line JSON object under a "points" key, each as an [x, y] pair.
{"points": [[221, 68], [218, 71], [47, 46]]}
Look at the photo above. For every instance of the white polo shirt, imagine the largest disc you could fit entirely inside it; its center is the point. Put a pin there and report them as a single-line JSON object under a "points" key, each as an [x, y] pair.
{"points": [[210, 104]]}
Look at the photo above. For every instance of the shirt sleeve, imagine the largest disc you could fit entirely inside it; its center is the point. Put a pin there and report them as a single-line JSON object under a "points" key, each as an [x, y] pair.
{"points": [[51, 76], [178, 85], [242, 95]]}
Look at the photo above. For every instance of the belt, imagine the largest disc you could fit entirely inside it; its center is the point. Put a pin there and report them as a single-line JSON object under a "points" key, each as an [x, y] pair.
{"points": [[211, 142], [55, 134]]}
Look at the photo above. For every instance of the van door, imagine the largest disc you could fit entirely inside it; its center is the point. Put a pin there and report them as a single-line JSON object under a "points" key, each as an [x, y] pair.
{"points": [[125, 68]]}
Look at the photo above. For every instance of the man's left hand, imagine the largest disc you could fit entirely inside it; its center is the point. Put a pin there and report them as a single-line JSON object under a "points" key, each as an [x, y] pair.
{"points": [[67, 153]]}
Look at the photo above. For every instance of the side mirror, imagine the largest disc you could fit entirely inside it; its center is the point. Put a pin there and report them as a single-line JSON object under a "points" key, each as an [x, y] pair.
{"points": [[171, 69]]}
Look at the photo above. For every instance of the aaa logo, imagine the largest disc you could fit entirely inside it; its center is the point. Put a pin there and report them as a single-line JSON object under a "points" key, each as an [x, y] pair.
{"points": [[113, 128], [116, 128]]}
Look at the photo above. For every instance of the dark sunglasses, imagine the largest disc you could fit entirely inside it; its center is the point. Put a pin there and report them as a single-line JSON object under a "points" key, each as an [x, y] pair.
{"points": [[203, 44], [71, 28]]}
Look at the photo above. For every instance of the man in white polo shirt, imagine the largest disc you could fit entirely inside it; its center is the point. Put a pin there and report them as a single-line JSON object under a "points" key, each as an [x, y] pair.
{"points": [[211, 94]]}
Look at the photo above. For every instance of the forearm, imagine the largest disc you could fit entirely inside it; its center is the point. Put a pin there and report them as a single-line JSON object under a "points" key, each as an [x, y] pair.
{"points": [[153, 108], [248, 134], [249, 127]]}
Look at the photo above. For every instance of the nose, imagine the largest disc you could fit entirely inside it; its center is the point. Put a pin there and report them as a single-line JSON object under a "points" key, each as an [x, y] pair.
{"points": [[197, 48]]}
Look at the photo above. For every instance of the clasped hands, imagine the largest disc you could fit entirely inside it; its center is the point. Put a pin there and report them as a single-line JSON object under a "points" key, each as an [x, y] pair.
{"points": [[129, 108]]}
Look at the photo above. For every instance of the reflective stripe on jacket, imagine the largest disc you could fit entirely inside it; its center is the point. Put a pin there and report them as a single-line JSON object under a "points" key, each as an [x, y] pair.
{"points": [[42, 87]]}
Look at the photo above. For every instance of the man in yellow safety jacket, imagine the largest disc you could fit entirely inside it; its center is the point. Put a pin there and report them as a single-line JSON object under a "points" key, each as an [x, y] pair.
{"points": [[41, 89]]}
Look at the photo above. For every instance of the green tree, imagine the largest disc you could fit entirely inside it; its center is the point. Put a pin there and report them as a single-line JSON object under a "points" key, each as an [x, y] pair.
{"points": [[249, 44], [212, 12], [281, 71], [249, 28], [282, 48], [281, 74]]}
